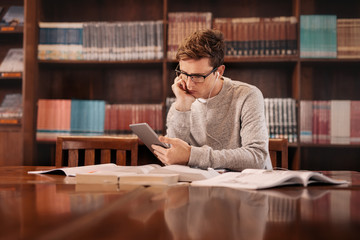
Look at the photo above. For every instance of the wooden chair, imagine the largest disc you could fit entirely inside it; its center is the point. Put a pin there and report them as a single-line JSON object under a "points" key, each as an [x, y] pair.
{"points": [[77, 151], [278, 149]]}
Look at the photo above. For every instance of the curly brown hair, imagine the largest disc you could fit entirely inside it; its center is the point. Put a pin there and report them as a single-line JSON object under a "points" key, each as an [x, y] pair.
{"points": [[206, 43]]}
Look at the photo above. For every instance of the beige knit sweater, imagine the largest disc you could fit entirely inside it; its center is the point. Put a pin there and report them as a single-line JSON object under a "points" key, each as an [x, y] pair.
{"points": [[228, 131]]}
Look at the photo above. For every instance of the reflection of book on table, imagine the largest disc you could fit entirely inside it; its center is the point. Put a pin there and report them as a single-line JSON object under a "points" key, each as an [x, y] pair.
{"points": [[184, 173], [261, 179]]}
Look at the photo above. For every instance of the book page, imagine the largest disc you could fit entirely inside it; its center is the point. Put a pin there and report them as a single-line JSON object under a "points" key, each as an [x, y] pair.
{"points": [[261, 179], [72, 171]]}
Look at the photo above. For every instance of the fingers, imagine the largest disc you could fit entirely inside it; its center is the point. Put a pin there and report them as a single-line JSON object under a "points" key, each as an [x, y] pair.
{"points": [[179, 84], [160, 153], [169, 141]]}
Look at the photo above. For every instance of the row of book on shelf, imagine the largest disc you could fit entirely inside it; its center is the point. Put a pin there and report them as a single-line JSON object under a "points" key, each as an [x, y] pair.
{"points": [[181, 25], [281, 121], [243, 36], [325, 36], [12, 65], [324, 122], [102, 41], [331, 121], [11, 110], [259, 36], [95, 117], [321, 36]]}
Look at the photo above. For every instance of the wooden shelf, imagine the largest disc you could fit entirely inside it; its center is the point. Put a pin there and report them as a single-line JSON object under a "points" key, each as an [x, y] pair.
{"points": [[270, 59], [11, 134], [322, 145], [93, 62], [337, 60], [10, 127], [149, 80]]}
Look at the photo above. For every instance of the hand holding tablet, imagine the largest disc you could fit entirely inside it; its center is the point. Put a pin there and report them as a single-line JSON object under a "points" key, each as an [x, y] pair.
{"points": [[147, 135]]}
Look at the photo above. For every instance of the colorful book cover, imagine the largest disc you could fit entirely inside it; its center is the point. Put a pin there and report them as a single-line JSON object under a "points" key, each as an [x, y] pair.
{"points": [[318, 37], [340, 122]]}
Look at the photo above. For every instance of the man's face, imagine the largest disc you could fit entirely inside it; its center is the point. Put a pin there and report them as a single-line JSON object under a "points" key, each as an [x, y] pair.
{"points": [[199, 67]]}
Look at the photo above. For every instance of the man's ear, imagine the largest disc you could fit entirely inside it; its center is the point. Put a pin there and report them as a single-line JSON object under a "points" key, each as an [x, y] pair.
{"points": [[221, 70]]}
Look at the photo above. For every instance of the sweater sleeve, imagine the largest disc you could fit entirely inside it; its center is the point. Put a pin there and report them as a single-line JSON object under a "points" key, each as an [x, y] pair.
{"points": [[253, 149], [178, 124]]}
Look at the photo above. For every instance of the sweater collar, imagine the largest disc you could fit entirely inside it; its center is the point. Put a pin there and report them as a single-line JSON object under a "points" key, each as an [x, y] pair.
{"points": [[215, 100]]}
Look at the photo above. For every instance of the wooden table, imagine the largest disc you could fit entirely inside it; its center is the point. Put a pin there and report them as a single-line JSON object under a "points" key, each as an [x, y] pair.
{"points": [[53, 207]]}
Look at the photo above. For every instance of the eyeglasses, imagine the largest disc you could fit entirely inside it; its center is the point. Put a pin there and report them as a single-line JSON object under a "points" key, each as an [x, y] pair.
{"points": [[197, 78]]}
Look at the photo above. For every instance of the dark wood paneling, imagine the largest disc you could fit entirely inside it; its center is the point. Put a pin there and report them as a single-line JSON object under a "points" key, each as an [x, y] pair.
{"points": [[274, 80], [342, 9], [116, 83], [10, 148], [326, 81], [9, 40], [104, 10], [9, 86], [330, 158]]}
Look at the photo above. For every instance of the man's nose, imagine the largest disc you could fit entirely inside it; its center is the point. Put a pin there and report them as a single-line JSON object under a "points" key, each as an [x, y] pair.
{"points": [[189, 82]]}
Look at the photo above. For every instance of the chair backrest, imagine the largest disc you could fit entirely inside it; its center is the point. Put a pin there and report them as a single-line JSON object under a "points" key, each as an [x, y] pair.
{"points": [[278, 149], [77, 151]]}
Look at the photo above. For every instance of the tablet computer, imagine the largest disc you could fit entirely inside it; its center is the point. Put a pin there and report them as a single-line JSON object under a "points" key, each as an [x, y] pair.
{"points": [[147, 135]]}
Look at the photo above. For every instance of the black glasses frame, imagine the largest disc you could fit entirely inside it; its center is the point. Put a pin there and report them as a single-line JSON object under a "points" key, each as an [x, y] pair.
{"points": [[178, 72]]}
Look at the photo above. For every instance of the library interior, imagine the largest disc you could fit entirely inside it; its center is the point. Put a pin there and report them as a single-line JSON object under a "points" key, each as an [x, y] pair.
{"points": [[74, 75]]}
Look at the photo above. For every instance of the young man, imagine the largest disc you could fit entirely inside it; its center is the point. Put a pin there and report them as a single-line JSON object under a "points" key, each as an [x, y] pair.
{"points": [[215, 121]]}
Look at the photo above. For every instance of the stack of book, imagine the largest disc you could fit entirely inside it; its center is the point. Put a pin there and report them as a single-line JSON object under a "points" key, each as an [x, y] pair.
{"points": [[257, 37], [101, 41], [119, 116], [333, 121], [12, 65], [318, 36], [181, 25], [348, 38], [13, 16], [280, 114], [62, 116], [11, 110]]}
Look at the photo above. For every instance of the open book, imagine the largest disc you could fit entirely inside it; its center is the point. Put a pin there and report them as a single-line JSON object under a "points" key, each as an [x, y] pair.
{"points": [[112, 171], [261, 179]]}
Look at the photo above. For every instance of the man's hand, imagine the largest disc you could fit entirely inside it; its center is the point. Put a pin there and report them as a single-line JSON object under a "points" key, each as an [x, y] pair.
{"points": [[178, 153], [183, 98]]}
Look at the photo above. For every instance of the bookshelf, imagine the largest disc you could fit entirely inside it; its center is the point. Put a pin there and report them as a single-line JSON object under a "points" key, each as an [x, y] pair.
{"points": [[149, 81], [10, 83]]}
